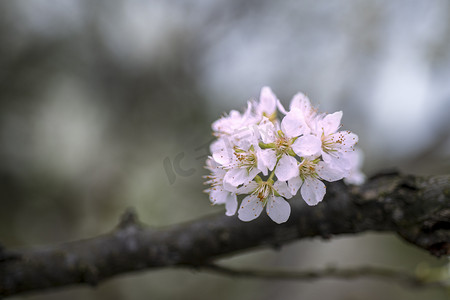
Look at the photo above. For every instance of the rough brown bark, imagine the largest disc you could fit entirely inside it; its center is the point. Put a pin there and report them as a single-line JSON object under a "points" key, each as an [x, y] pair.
{"points": [[417, 208]]}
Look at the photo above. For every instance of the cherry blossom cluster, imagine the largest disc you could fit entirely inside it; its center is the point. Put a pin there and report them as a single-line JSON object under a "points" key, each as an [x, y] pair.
{"points": [[269, 160]]}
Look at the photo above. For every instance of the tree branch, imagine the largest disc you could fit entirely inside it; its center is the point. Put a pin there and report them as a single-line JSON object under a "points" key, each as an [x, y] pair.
{"points": [[398, 276], [417, 208]]}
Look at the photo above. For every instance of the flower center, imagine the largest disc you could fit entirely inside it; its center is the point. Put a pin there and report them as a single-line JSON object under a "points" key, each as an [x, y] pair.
{"points": [[308, 168], [245, 159], [264, 190], [282, 143], [328, 145]]}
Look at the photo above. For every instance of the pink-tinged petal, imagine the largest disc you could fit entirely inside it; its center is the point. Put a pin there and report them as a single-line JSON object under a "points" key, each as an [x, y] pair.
{"points": [[267, 157], [294, 124], [294, 185], [222, 151], [267, 101], [251, 207], [231, 204], [236, 177], [278, 209], [281, 107], [286, 168], [307, 146], [282, 188], [313, 190], [328, 173], [331, 123]]}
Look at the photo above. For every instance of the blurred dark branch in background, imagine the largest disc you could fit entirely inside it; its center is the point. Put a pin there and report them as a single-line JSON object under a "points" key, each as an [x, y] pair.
{"points": [[411, 280], [416, 208]]}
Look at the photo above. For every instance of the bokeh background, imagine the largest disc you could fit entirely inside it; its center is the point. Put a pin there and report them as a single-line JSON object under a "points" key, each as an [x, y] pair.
{"points": [[99, 98]]}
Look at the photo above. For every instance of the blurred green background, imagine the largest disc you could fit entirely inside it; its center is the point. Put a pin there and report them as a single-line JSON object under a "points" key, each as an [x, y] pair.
{"points": [[98, 98]]}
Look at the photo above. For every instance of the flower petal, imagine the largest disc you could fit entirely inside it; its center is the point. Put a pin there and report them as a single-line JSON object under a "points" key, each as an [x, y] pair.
{"points": [[355, 160], [331, 122], [222, 151], [301, 102], [267, 101], [247, 188], [325, 171], [344, 140], [338, 160], [278, 209], [355, 177], [225, 124], [327, 157], [218, 196], [294, 185], [260, 163], [248, 112], [267, 157], [251, 208], [281, 107], [286, 168], [313, 190], [307, 146], [229, 187], [251, 175], [282, 188], [236, 177], [293, 124], [231, 204], [267, 131]]}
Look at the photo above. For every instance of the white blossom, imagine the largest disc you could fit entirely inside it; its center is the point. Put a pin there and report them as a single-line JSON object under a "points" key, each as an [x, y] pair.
{"points": [[268, 160], [356, 176], [234, 122], [310, 174], [267, 106], [301, 103], [266, 194], [280, 142], [337, 146], [241, 165], [219, 192]]}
